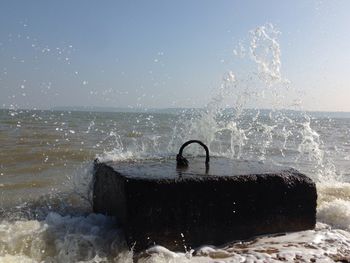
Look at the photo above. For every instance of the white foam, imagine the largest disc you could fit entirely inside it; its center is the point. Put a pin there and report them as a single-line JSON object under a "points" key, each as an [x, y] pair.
{"points": [[334, 204], [320, 245], [12, 259], [335, 213], [94, 238]]}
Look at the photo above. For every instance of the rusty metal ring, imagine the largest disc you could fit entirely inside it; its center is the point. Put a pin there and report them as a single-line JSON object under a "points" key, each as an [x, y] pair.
{"points": [[182, 161]]}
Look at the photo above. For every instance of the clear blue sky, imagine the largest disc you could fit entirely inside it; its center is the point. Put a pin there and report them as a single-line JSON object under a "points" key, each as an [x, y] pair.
{"points": [[164, 53]]}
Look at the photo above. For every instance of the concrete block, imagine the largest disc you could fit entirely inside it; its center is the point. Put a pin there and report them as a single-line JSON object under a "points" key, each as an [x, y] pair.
{"points": [[156, 203]]}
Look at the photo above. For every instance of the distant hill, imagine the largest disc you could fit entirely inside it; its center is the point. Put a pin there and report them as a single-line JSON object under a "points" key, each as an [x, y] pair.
{"points": [[114, 109], [316, 114], [95, 109], [332, 115]]}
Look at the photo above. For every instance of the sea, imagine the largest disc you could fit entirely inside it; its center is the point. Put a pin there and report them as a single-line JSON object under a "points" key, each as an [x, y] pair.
{"points": [[46, 162]]}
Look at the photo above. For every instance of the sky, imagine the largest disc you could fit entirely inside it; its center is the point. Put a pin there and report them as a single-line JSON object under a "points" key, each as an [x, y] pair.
{"points": [[162, 54]]}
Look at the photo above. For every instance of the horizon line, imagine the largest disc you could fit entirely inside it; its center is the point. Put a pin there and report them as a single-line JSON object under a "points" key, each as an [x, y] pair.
{"points": [[145, 109]]}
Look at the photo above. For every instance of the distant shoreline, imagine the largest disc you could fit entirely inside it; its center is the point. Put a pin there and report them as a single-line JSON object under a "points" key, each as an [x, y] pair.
{"points": [[323, 114]]}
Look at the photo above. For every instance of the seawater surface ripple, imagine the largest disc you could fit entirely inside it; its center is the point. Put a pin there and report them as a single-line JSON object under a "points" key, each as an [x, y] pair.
{"points": [[46, 158]]}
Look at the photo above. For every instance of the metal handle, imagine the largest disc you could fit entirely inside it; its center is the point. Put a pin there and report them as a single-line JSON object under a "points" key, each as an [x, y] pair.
{"points": [[183, 162]]}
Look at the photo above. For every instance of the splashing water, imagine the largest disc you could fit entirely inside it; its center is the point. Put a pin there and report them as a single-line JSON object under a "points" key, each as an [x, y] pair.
{"points": [[231, 131], [266, 53]]}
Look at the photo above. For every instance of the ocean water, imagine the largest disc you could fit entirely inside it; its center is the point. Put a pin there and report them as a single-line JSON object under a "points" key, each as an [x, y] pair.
{"points": [[46, 160]]}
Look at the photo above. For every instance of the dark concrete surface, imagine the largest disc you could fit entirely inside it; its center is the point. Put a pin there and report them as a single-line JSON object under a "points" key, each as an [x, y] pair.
{"points": [[156, 203]]}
